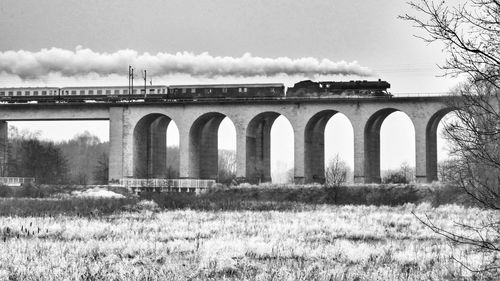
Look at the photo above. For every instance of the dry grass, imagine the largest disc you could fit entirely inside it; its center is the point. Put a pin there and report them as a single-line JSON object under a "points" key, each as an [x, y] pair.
{"points": [[324, 243]]}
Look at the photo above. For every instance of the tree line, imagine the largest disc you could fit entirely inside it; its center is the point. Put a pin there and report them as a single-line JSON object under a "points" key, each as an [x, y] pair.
{"points": [[81, 160]]}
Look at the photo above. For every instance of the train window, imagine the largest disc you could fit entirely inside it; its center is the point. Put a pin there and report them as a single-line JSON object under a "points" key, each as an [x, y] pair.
{"points": [[125, 92], [2, 93], [135, 92], [91, 92], [44, 93], [108, 92], [224, 90], [193, 90], [35, 93], [239, 90], [151, 91], [117, 92], [99, 92], [82, 92], [163, 91], [19, 93], [11, 93], [245, 90], [73, 92], [183, 90]]}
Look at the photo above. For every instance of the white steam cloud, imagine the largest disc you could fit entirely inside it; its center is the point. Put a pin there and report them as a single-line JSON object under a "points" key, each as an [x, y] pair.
{"points": [[82, 61]]}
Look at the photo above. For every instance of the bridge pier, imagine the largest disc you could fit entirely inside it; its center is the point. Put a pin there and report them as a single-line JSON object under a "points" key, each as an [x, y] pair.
{"points": [[116, 143], [184, 152], [143, 147], [299, 175], [372, 145], [203, 142], [428, 135], [158, 148], [314, 153], [258, 147], [241, 150], [4, 145], [359, 151], [423, 156]]}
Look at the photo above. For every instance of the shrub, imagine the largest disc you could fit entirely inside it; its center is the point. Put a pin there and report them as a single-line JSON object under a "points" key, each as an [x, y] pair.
{"points": [[449, 194], [6, 191], [396, 177], [282, 198], [29, 190], [26, 207]]}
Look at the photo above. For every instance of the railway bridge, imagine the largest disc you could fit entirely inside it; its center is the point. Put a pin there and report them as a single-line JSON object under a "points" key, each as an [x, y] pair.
{"points": [[138, 131]]}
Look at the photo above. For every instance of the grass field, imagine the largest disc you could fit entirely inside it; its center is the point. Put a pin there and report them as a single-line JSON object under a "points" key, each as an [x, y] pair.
{"points": [[311, 242]]}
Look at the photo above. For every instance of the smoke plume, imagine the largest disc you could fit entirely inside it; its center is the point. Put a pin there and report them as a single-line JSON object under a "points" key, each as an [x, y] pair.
{"points": [[82, 61]]}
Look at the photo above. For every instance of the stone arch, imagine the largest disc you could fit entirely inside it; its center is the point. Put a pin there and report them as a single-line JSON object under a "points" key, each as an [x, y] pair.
{"points": [[314, 146], [431, 165], [258, 147], [203, 143], [150, 146], [372, 143]]}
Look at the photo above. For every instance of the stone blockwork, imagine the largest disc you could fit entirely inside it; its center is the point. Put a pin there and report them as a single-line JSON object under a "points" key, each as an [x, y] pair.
{"points": [[314, 149], [258, 147], [198, 125], [4, 144], [138, 133]]}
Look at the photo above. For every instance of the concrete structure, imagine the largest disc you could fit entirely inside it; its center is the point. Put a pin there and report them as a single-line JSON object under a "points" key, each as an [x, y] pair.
{"points": [[138, 133]]}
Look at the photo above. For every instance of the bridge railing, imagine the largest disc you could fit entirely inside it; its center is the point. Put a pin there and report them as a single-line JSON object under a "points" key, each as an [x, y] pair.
{"points": [[15, 181], [167, 185], [439, 94]]}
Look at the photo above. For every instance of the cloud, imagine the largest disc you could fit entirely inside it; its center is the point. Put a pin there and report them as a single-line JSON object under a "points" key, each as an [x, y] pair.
{"points": [[82, 61]]}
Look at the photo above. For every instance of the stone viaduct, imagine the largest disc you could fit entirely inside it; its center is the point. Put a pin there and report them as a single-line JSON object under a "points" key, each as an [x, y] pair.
{"points": [[138, 133]]}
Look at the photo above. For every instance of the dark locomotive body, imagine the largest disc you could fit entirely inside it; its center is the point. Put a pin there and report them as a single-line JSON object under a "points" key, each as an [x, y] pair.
{"points": [[364, 88]]}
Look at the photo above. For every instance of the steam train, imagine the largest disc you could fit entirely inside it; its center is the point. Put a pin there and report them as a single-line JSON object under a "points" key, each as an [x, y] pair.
{"points": [[174, 93]]}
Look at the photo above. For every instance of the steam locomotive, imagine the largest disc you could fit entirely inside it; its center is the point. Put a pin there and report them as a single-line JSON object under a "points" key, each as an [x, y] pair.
{"points": [[176, 93], [309, 88]]}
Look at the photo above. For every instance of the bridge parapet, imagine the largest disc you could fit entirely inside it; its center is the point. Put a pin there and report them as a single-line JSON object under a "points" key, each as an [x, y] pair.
{"points": [[167, 185], [15, 181], [437, 94]]}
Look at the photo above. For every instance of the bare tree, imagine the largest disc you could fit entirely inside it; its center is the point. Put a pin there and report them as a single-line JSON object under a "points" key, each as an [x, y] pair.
{"points": [[470, 33], [404, 175], [227, 166], [335, 175], [336, 172], [448, 170]]}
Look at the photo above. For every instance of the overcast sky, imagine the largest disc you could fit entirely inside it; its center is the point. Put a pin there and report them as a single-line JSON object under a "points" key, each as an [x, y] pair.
{"points": [[366, 32]]}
